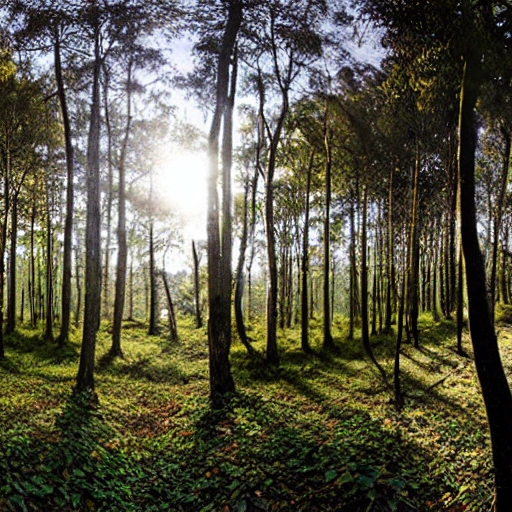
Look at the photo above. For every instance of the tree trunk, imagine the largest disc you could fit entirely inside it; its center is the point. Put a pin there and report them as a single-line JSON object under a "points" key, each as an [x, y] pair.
{"points": [[85, 377], [153, 314], [495, 388], [239, 284], [504, 270], [173, 326], [3, 240], [49, 269], [219, 325], [413, 258], [68, 225], [78, 286], [390, 256], [32, 270], [364, 288], [399, 399], [353, 277], [199, 320], [11, 299], [110, 199], [130, 293], [460, 303], [328, 340], [374, 294], [305, 263], [122, 250]]}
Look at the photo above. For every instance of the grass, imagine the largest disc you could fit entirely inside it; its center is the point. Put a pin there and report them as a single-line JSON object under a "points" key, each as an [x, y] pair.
{"points": [[318, 433]]}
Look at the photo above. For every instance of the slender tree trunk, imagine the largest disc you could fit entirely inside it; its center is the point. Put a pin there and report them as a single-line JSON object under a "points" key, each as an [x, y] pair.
{"points": [[32, 277], [504, 268], [495, 388], [305, 263], [435, 274], [414, 249], [131, 292], [374, 294], [110, 199], [282, 289], [353, 277], [239, 284], [11, 299], [328, 340], [49, 269], [153, 320], [68, 225], [122, 250], [460, 303], [22, 310], [219, 325], [85, 377], [364, 288], [78, 286], [3, 241], [199, 320], [173, 326], [390, 247], [399, 399]]}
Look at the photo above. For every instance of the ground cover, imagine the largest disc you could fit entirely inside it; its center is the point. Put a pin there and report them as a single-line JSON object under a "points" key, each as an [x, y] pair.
{"points": [[318, 433]]}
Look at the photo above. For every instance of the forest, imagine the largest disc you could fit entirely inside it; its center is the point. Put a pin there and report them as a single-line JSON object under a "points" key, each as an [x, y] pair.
{"points": [[255, 255]]}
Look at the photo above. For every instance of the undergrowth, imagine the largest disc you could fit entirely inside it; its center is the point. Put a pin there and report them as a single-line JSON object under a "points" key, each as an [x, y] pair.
{"points": [[318, 433]]}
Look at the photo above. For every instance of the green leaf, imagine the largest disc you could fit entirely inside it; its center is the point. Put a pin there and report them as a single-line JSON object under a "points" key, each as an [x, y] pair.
{"points": [[345, 478], [330, 475]]}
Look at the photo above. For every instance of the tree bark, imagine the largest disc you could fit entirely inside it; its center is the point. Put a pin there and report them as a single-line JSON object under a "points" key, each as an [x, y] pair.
{"points": [[68, 225], [219, 324], [122, 247], [199, 320], [353, 276], [239, 283], [495, 388], [364, 289], [328, 340], [49, 269], [504, 268], [153, 314], [173, 326], [3, 240], [85, 377], [110, 199], [413, 257], [305, 263], [390, 256], [460, 303], [11, 300]]}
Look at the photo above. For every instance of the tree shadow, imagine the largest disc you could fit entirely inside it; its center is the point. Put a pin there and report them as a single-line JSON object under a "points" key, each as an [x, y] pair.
{"points": [[143, 368], [40, 348]]}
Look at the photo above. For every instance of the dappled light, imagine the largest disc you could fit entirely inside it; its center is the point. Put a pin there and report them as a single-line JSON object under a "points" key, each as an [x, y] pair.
{"points": [[255, 256]]}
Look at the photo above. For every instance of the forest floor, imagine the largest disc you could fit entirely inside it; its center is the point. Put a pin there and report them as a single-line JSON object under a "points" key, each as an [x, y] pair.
{"points": [[318, 433]]}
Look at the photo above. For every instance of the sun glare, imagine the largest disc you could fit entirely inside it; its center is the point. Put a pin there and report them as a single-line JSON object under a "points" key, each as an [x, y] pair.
{"points": [[182, 180]]}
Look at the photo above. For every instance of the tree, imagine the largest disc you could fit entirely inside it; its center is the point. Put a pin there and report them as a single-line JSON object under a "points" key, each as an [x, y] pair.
{"points": [[477, 33], [284, 39], [219, 262]]}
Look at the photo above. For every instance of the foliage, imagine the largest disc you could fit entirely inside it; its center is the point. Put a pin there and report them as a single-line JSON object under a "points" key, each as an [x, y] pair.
{"points": [[318, 433]]}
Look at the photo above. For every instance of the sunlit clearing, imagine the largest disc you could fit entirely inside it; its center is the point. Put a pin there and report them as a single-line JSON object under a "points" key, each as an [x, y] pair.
{"points": [[182, 180]]}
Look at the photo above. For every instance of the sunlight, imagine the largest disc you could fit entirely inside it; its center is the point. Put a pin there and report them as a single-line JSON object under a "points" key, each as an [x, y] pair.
{"points": [[182, 180]]}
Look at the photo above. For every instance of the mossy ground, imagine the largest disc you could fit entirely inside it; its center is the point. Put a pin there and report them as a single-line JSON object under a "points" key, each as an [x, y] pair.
{"points": [[318, 433]]}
